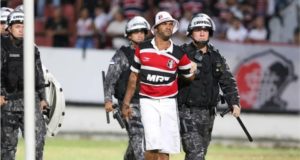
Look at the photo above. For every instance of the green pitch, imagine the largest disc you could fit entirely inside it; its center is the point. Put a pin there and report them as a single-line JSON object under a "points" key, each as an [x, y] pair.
{"points": [[87, 149]]}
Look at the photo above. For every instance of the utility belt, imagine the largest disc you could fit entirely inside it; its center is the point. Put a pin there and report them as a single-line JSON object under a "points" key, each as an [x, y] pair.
{"points": [[14, 96], [186, 120]]}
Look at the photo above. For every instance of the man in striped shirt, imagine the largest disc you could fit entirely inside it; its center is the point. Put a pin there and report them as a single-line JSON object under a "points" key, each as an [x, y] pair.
{"points": [[156, 65]]}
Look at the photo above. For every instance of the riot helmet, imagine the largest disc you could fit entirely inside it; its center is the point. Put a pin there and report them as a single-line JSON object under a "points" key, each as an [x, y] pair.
{"points": [[203, 21], [15, 17], [137, 23], [4, 12]]}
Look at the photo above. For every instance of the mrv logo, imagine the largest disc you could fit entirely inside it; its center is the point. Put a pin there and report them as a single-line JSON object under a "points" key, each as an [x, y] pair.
{"points": [[157, 78]]}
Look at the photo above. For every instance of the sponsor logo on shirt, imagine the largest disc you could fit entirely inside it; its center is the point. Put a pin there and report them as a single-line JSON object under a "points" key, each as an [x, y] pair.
{"points": [[157, 78]]}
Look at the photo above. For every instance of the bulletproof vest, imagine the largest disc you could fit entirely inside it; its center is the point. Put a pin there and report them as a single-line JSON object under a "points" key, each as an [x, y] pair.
{"points": [[121, 84], [12, 69], [203, 91]]}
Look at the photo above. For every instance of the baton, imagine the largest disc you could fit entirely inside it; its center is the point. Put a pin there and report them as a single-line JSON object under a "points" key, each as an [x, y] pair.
{"points": [[107, 113], [240, 122]]}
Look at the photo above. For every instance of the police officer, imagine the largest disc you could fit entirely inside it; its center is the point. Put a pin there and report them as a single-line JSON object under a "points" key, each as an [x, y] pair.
{"points": [[198, 98], [116, 84], [12, 102]]}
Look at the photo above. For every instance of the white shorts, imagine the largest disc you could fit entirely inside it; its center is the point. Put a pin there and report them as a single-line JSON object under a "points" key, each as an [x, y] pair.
{"points": [[161, 124]]}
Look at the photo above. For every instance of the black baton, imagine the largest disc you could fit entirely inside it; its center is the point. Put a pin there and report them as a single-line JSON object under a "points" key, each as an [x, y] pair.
{"points": [[107, 113], [240, 122]]}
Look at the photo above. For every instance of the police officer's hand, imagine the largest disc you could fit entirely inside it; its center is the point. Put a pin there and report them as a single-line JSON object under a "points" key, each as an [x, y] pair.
{"points": [[236, 111], [2, 100], [126, 111], [193, 68], [44, 105], [108, 106]]}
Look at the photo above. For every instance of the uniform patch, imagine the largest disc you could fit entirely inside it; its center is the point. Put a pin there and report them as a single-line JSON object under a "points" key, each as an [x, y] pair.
{"points": [[170, 64], [14, 55]]}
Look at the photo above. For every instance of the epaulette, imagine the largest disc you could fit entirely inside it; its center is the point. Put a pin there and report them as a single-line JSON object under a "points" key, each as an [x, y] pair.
{"points": [[189, 49], [213, 49], [127, 50]]}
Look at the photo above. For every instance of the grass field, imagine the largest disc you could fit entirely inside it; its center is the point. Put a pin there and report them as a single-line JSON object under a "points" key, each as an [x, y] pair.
{"points": [[87, 149]]}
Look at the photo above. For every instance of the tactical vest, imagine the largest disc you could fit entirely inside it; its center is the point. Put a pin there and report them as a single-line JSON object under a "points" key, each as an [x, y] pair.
{"points": [[121, 84], [203, 91], [12, 66]]}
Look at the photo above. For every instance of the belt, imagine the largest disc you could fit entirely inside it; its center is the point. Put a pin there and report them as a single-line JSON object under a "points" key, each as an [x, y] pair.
{"points": [[211, 109], [14, 96], [201, 107]]}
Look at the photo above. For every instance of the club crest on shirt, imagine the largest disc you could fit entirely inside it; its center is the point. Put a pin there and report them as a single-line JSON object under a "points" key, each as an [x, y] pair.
{"points": [[170, 64]]}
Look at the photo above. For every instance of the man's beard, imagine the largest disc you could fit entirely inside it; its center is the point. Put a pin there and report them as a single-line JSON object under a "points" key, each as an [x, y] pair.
{"points": [[164, 36]]}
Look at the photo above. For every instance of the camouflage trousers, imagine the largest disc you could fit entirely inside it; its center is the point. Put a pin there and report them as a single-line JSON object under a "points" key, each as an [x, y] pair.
{"points": [[12, 119], [135, 130], [196, 128]]}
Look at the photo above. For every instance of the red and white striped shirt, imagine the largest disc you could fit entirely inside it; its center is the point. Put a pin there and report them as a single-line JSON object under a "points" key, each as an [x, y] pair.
{"points": [[158, 69]]}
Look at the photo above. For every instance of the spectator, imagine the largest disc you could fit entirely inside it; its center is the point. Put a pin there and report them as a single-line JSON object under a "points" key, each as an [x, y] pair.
{"points": [[275, 29], [180, 37], [151, 11], [248, 13], [277, 14], [41, 4], [133, 7], [100, 22], [194, 6], [236, 32], [259, 32], [116, 30], [224, 20], [85, 30], [261, 7], [57, 28], [234, 7], [171, 6]]}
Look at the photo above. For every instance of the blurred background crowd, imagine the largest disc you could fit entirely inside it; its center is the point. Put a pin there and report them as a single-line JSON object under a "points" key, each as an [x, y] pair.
{"points": [[101, 23]]}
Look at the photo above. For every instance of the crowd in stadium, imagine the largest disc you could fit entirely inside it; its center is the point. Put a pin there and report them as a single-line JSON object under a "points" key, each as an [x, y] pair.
{"points": [[101, 23]]}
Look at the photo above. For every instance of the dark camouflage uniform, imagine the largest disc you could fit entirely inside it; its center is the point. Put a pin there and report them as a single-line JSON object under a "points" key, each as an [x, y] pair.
{"points": [[196, 134], [135, 130], [199, 98], [12, 113], [12, 119]]}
